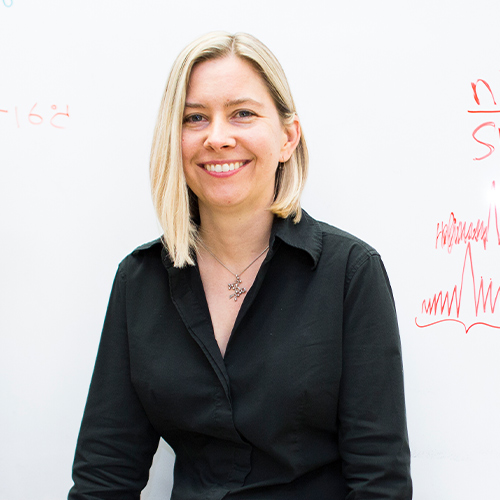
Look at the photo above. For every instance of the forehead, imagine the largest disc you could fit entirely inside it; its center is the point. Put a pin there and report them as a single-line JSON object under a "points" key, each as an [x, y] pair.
{"points": [[226, 78]]}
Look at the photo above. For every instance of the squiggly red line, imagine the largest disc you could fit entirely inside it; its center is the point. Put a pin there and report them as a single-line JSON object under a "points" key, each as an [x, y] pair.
{"points": [[454, 233], [466, 328]]}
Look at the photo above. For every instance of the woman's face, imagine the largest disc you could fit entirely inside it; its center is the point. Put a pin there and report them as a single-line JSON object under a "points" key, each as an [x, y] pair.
{"points": [[232, 136]]}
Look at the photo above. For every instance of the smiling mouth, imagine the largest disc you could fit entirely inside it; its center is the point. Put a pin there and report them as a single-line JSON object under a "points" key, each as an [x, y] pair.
{"points": [[223, 167]]}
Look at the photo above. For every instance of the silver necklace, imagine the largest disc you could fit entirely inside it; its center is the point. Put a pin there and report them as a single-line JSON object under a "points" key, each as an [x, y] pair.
{"points": [[235, 287]]}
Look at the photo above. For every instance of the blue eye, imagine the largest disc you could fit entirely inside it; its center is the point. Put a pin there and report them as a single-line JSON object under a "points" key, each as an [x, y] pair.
{"points": [[193, 119], [244, 114]]}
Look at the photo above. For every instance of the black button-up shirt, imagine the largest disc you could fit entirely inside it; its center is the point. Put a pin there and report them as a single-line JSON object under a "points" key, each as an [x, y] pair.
{"points": [[306, 404]]}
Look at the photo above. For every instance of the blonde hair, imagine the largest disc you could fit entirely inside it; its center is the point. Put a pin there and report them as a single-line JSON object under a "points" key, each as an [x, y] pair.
{"points": [[176, 205]]}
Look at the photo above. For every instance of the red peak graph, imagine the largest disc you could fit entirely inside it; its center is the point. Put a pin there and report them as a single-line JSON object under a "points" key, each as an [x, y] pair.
{"points": [[474, 298]]}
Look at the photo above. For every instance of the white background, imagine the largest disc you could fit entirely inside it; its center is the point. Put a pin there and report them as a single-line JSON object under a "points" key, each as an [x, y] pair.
{"points": [[382, 89]]}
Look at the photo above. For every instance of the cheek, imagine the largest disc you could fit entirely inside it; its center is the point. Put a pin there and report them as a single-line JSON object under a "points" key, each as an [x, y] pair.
{"points": [[184, 147], [187, 159], [266, 144], [187, 146]]}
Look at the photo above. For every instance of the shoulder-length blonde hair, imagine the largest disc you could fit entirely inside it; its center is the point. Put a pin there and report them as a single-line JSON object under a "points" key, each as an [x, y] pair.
{"points": [[176, 205]]}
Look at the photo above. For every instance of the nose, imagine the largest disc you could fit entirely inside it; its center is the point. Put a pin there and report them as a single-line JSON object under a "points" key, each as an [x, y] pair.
{"points": [[219, 135]]}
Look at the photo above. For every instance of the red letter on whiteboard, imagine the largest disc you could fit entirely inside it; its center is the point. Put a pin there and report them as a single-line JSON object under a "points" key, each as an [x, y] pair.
{"points": [[491, 148]]}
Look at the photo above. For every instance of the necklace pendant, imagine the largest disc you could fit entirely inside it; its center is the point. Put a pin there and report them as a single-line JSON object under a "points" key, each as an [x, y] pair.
{"points": [[236, 288]]}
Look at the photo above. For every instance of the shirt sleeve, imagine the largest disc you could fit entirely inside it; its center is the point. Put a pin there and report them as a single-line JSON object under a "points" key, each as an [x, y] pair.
{"points": [[117, 442], [373, 436]]}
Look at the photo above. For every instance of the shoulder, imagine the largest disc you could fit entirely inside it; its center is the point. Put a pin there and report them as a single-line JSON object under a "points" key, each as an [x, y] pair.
{"points": [[157, 243], [340, 244], [344, 255], [333, 251], [334, 235], [338, 255], [143, 257], [357, 261]]}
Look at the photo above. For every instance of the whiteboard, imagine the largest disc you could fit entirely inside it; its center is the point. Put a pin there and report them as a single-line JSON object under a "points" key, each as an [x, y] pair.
{"points": [[398, 142]]}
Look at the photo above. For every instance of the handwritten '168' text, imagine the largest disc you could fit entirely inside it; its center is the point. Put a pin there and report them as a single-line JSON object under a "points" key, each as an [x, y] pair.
{"points": [[36, 116]]}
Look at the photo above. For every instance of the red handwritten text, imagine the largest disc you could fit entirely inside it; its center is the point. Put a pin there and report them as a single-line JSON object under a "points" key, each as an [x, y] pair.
{"points": [[490, 147], [491, 109], [52, 117], [474, 90]]}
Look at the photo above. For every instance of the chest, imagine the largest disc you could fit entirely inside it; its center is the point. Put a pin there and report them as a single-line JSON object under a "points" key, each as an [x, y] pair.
{"points": [[280, 369], [225, 293]]}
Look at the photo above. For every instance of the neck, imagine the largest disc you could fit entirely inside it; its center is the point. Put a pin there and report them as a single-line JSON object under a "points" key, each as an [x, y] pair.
{"points": [[236, 238]]}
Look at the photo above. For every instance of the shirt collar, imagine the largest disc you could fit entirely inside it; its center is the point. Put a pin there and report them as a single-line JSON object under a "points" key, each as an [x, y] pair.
{"points": [[305, 235]]}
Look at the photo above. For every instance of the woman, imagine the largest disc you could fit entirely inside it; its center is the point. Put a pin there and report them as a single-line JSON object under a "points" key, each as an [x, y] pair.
{"points": [[262, 345]]}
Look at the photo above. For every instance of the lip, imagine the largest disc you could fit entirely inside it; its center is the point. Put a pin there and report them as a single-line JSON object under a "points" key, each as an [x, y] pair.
{"points": [[227, 163]]}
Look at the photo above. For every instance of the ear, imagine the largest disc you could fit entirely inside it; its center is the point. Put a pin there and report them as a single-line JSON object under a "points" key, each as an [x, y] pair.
{"points": [[292, 134]]}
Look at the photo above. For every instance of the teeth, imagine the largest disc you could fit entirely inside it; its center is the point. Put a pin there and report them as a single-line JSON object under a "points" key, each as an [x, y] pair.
{"points": [[225, 167]]}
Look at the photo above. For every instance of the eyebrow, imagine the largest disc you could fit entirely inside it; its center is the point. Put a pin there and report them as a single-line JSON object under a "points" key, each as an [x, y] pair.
{"points": [[228, 104]]}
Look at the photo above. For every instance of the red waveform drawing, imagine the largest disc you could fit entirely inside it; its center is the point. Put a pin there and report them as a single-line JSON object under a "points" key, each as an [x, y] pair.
{"points": [[455, 232], [447, 305]]}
